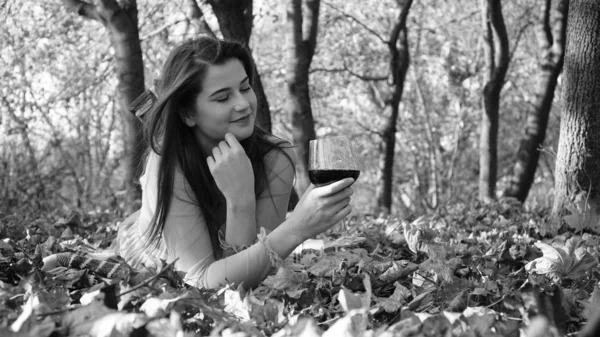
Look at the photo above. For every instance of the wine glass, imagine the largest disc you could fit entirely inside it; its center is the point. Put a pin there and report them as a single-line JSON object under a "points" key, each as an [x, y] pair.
{"points": [[331, 159]]}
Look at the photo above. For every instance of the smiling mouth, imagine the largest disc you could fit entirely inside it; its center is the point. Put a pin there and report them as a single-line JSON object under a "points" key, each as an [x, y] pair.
{"points": [[242, 119]]}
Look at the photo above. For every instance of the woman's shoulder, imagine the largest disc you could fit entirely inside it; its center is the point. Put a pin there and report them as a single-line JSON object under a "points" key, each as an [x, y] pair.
{"points": [[282, 152]]}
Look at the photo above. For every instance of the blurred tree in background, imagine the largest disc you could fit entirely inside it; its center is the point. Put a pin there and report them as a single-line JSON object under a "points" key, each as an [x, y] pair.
{"points": [[301, 42], [496, 55], [550, 35], [413, 121], [121, 22]]}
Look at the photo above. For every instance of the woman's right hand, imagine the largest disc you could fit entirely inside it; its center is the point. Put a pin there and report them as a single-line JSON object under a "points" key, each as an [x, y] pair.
{"points": [[322, 207]]}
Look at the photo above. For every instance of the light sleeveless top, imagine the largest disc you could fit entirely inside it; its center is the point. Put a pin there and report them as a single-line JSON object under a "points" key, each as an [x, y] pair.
{"points": [[185, 238]]}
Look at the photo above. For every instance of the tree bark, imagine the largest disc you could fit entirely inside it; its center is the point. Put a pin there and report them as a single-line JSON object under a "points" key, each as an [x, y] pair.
{"points": [[303, 17], [497, 59], [120, 19], [235, 20], [578, 159], [399, 62], [551, 40]]}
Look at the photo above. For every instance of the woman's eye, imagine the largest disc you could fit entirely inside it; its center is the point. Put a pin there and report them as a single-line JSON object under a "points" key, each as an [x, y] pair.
{"points": [[246, 88], [222, 99]]}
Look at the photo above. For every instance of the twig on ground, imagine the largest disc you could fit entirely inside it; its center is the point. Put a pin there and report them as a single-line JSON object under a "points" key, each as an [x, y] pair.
{"points": [[498, 301], [148, 281]]}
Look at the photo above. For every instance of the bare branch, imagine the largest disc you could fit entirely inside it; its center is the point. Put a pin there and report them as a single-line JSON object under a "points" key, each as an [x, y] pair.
{"points": [[559, 32], [518, 39], [401, 22], [161, 29], [197, 14], [349, 71], [500, 41], [84, 9], [311, 24], [360, 23], [368, 129]]}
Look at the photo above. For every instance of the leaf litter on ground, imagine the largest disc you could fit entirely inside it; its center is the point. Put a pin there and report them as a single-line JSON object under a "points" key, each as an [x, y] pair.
{"points": [[485, 270]]}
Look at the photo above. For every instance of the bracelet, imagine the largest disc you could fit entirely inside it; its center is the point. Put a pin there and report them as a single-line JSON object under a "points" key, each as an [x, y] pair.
{"points": [[276, 260]]}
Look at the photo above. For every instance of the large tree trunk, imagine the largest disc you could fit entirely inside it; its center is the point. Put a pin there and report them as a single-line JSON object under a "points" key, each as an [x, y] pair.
{"points": [[551, 40], [235, 20], [578, 157], [303, 17], [497, 58], [120, 19], [399, 61]]}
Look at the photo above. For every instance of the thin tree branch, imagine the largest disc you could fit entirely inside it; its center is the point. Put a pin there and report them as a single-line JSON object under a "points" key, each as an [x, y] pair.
{"points": [[368, 129], [197, 14], [360, 23], [349, 71], [501, 43], [401, 22], [162, 28], [559, 33], [518, 39], [148, 281], [311, 19], [84, 9]]}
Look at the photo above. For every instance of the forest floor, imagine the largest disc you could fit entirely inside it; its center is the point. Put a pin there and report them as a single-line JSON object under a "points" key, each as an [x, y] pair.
{"points": [[480, 270]]}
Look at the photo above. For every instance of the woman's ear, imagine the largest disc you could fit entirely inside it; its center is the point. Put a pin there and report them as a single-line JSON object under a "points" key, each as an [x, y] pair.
{"points": [[188, 119]]}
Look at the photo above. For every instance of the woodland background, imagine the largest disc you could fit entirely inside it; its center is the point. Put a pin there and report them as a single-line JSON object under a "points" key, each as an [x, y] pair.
{"points": [[67, 135], [477, 211]]}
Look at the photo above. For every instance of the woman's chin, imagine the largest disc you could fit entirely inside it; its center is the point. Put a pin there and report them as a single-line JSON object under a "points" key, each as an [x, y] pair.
{"points": [[243, 133]]}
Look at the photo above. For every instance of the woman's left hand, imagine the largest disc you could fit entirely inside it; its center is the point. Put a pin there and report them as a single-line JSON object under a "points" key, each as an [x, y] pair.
{"points": [[231, 169]]}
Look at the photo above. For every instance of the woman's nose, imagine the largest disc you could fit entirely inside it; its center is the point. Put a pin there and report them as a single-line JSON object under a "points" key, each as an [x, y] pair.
{"points": [[241, 103]]}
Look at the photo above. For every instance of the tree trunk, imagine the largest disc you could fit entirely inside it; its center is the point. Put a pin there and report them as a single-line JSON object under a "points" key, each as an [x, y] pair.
{"points": [[235, 20], [303, 17], [431, 199], [578, 159], [399, 62], [551, 40], [497, 58], [120, 19]]}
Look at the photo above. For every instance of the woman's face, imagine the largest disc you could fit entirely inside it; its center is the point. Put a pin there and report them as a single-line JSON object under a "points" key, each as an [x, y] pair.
{"points": [[226, 103]]}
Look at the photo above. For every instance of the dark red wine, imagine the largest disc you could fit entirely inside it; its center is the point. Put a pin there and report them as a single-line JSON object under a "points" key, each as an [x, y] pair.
{"points": [[328, 176]]}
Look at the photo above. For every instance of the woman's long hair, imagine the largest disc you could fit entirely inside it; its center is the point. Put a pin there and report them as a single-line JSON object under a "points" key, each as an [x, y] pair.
{"points": [[174, 141]]}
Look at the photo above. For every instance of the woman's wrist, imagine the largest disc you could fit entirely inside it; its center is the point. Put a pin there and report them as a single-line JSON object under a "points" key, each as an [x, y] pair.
{"points": [[284, 239], [241, 221], [241, 202]]}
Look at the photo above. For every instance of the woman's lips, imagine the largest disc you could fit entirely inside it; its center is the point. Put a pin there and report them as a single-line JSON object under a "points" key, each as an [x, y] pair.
{"points": [[242, 119]]}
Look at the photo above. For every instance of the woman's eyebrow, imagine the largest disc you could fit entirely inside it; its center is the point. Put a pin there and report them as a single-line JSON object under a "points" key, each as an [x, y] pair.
{"points": [[218, 92], [227, 89]]}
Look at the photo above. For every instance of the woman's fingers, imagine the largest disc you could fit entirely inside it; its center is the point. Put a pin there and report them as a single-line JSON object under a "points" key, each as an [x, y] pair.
{"points": [[233, 142], [335, 187], [211, 163], [341, 195], [216, 151], [342, 213]]}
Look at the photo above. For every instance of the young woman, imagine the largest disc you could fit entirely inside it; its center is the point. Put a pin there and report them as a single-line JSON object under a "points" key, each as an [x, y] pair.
{"points": [[214, 184]]}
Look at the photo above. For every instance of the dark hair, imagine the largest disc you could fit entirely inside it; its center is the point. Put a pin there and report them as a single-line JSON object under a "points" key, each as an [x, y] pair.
{"points": [[174, 141]]}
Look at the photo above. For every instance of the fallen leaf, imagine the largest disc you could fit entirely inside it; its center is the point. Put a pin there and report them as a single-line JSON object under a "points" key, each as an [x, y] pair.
{"points": [[353, 324], [395, 301], [570, 261]]}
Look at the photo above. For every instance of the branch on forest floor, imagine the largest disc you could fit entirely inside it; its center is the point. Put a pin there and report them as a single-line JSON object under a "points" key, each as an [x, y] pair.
{"points": [[150, 280]]}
